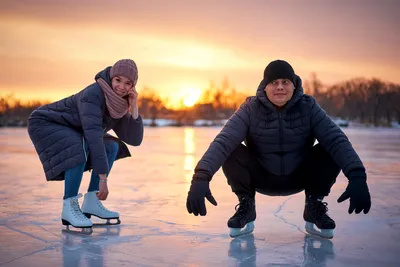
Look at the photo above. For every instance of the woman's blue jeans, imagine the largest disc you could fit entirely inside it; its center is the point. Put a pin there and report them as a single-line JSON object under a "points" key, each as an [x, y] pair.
{"points": [[73, 176]]}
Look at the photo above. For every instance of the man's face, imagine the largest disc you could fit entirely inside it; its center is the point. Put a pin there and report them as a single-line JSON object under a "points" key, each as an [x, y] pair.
{"points": [[279, 91]]}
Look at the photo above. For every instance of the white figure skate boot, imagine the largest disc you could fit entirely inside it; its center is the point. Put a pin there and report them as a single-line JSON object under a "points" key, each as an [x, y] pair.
{"points": [[72, 215], [93, 206]]}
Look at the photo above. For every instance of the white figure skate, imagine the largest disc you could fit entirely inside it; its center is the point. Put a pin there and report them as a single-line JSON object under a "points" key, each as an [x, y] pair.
{"points": [[72, 215], [93, 206]]}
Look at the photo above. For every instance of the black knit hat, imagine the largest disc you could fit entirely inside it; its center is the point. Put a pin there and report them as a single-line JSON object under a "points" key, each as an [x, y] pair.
{"points": [[278, 69]]}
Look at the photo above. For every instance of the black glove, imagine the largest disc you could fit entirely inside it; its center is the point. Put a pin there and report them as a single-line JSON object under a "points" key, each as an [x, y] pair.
{"points": [[360, 199], [199, 190]]}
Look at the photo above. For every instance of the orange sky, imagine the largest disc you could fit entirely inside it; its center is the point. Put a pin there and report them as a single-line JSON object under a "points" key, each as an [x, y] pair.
{"points": [[50, 49]]}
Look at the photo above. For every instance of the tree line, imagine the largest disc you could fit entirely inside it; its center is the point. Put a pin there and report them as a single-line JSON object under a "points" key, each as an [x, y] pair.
{"points": [[369, 101]]}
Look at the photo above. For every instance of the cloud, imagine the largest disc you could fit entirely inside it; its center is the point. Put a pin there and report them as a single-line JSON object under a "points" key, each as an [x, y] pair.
{"points": [[178, 42]]}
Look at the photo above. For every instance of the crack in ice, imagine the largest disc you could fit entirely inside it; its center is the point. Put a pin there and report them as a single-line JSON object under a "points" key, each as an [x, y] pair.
{"points": [[283, 219]]}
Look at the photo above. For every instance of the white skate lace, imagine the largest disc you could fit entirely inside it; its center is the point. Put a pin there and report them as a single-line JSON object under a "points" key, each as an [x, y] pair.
{"points": [[76, 209], [102, 206]]}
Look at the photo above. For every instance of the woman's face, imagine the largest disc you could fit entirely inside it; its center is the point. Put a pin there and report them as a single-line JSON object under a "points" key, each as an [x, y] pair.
{"points": [[121, 85], [279, 92]]}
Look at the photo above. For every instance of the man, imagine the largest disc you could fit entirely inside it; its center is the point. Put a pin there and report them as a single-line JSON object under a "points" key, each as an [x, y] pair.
{"points": [[279, 127]]}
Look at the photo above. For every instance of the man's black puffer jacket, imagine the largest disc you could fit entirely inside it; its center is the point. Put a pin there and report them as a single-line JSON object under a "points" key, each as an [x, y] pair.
{"points": [[280, 140]]}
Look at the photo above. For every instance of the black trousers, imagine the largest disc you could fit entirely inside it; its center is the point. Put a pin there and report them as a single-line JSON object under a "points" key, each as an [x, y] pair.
{"points": [[246, 175]]}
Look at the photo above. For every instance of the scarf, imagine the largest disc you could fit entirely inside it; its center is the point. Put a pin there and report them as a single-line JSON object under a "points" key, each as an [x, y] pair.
{"points": [[116, 105]]}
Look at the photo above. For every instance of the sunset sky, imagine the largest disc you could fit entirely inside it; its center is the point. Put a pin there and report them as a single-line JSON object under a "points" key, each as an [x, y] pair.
{"points": [[51, 49]]}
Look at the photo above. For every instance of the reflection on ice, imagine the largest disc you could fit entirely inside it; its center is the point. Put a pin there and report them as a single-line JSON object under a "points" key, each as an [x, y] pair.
{"points": [[317, 251], [244, 250], [189, 153], [149, 191], [78, 250]]}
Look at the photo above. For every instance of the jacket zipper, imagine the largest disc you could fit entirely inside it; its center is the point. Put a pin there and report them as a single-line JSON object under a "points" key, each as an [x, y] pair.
{"points": [[84, 149], [281, 139]]}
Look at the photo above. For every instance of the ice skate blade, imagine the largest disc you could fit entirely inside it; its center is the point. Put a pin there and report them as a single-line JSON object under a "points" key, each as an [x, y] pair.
{"points": [[84, 230], [108, 222], [325, 233], [247, 229]]}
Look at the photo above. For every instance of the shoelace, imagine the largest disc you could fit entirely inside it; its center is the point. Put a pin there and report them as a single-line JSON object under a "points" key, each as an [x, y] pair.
{"points": [[102, 206], [321, 209], [76, 209], [241, 208]]}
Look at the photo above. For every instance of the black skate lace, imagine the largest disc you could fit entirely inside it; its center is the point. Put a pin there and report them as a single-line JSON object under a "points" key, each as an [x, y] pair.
{"points": [[241, 208], [321, 210]]}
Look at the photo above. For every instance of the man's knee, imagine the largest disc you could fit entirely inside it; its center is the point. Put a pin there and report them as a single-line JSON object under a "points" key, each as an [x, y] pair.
{"points": [[319, 150], [321, 157], [237, 155]]}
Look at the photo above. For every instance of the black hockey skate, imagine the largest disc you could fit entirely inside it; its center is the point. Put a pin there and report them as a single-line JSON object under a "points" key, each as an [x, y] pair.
{"points": [[315, 213], [242, 222]]}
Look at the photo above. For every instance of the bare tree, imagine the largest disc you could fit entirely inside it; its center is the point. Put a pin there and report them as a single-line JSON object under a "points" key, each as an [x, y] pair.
{"points": [[150, 104]]}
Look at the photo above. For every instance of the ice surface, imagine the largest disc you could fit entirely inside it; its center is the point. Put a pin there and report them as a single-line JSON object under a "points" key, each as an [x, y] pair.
{"points": [[149, 191]]}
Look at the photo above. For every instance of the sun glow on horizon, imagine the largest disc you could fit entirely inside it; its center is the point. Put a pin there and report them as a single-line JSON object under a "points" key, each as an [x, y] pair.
{"points": [[191, 97]]}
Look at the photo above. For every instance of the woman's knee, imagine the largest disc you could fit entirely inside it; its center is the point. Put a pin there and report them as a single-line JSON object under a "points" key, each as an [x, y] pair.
{"points": [[111, 146]]}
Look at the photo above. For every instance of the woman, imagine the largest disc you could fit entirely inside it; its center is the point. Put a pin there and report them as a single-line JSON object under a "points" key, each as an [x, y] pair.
{"points": [[279, 127], [70, 137]]}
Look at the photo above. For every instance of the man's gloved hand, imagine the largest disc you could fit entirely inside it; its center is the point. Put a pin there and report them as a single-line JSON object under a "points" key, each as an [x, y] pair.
{"points": [[360, 199], [195, 202]]}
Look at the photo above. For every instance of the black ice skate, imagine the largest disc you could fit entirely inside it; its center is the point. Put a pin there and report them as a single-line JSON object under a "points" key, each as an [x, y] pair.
{"points": [[242, 222], [315, 213], [93, 206], [72, 215]]}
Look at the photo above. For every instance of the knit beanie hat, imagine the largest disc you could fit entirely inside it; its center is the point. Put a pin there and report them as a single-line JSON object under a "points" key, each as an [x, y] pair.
{"points": [[278, 69], [127, 68]]}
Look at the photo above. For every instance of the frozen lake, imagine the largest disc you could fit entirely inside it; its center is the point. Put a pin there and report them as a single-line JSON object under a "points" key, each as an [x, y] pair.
{"points": [[149, 191]]}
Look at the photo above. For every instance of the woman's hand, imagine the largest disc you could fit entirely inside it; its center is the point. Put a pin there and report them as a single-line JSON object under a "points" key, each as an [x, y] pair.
{"points": [[103, 188], [133, 106]]}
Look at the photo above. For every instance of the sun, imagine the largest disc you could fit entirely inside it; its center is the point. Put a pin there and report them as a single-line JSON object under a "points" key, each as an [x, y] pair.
{"points": [[191, 97]]}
